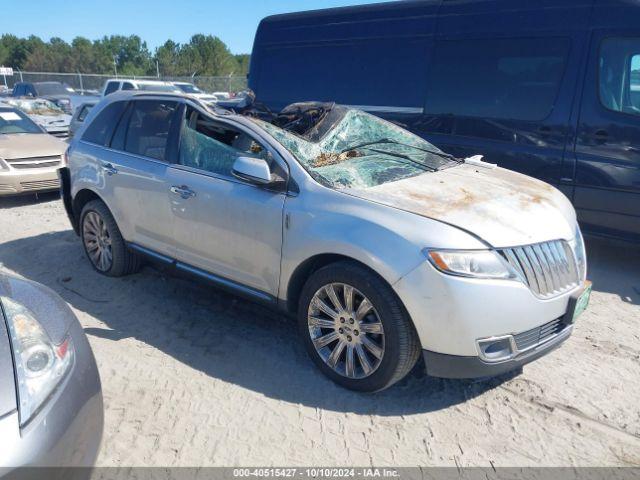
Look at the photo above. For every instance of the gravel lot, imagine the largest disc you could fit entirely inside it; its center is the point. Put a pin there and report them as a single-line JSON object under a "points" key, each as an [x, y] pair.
{"points": [[193, 376]]}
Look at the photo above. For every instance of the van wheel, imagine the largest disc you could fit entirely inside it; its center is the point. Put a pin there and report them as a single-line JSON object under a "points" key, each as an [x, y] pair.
{"points": [[355, 328], [103, 242]]}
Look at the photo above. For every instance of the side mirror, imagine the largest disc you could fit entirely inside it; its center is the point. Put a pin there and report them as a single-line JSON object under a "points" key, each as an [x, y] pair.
{"points": [[253, 170]]}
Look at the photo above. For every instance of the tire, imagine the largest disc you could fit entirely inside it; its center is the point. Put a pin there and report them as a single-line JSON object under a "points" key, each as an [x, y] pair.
{"points": [[122, 261], [398, 341]]}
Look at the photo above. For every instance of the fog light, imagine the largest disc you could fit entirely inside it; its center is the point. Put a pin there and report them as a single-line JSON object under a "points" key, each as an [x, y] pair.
{"points": [[496, 349]]}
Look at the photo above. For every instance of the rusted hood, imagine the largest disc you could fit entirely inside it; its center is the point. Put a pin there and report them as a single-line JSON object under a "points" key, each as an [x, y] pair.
{"points": [[24, 145], [502, 207]]}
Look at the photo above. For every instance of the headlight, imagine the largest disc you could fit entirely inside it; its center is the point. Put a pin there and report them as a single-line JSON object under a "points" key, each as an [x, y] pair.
{"points": [[471, 263], [3, 165], [577, 245], [40, 365]]}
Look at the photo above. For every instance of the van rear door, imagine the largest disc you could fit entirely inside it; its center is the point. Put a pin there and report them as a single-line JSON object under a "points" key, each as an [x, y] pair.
{"points": [[607, 145]]}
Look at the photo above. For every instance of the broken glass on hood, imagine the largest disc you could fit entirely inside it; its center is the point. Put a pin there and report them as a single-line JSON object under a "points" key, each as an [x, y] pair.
{"points": [[348, 148]]}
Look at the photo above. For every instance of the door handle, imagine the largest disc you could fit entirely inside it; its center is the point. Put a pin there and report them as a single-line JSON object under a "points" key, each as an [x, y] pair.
{"points": [[110, 169], [601, 136], [184, 191]]}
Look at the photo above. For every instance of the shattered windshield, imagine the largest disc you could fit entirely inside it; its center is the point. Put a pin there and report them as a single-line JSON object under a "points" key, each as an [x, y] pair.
{"points": [[37, 107], [361, 151]]}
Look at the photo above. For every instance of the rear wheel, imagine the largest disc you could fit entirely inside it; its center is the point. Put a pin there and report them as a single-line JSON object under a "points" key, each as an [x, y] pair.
{"points": [[103, 242], [355, 328]]}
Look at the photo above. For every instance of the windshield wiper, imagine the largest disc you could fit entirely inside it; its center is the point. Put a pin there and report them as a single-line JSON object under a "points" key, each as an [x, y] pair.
{"points": [[390, 140], [406, 157]]}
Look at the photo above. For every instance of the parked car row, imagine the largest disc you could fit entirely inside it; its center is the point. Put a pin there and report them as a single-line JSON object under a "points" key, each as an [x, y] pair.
{"points": [[59, 93], [69, 99]]}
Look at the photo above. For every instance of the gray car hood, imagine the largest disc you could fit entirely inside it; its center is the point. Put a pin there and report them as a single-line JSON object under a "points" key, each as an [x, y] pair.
{"points": [[52, 122], [24, 145], [502, 207]]}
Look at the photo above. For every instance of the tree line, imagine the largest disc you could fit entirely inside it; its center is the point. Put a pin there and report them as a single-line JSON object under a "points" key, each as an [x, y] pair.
{"points": [[129, 55]]}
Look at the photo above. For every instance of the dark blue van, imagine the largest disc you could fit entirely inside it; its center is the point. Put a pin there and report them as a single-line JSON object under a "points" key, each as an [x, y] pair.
{"points": [[550, 88]]}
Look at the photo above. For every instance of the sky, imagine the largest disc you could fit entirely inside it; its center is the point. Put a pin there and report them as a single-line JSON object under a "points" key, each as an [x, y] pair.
{"points": [[233, 21]]}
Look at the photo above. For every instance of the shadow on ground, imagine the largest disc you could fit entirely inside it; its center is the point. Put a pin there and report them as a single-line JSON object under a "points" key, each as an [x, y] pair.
{"points": [[614, 267], [28, 199], [229, 338]]}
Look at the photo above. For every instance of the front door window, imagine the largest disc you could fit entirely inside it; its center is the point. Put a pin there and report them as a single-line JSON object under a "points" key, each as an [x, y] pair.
{"points": [[213, 147]]}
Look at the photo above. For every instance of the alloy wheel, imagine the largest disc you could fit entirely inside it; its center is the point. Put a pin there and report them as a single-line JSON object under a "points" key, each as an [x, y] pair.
{"points": [[97, 241], [346, 330]]}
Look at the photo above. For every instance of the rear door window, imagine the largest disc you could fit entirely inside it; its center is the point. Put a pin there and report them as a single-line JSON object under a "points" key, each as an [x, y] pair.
{"points": [[127, 86], [102, 126], [619, 75], [149, 126], [506, 78]]}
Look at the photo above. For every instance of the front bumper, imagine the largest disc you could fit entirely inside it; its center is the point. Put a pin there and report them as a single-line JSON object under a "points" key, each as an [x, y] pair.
{"points": [[14, 182], [455, 366], [68, 430]]}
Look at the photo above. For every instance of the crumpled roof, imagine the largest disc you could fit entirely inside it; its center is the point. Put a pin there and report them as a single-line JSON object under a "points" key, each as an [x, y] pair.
{"points": [[327, 151]]}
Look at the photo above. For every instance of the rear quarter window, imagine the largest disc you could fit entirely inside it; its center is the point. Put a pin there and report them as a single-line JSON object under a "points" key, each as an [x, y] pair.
{"points": [[111, 87], [101, 128], [84, 111]]}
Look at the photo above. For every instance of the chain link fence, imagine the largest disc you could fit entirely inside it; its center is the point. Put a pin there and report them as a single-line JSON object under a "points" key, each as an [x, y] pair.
{"points": [[95, 82]]}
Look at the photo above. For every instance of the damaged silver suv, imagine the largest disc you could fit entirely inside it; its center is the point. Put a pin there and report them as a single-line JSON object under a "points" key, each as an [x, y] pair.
{"points": [[384, 246]]}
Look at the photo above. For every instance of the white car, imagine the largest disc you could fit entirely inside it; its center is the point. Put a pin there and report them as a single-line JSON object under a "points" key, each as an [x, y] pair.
{"points": [[115, 84], [191, 89]]}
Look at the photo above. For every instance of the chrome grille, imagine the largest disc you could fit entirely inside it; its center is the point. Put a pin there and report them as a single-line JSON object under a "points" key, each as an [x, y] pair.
{"points": [[538, 335], [41, 185], [548, 268], [35, 162]]}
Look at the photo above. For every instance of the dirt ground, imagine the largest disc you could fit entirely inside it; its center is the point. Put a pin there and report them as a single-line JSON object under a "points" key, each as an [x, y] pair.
{"points": [[193, 376]]}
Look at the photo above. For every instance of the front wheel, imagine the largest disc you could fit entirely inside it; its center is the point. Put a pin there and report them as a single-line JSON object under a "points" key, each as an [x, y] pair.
{"points": [[355, 328]]}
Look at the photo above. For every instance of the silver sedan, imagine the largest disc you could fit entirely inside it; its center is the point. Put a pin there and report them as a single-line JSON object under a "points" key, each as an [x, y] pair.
{"points": [[51, 410]]}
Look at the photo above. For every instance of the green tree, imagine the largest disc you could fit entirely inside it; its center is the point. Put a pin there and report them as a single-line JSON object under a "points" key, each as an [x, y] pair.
{"points": [[202, 55]]}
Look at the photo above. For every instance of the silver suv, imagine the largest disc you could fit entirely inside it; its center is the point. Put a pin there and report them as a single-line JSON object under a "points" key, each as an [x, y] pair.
{"points": [[384, 246]]}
